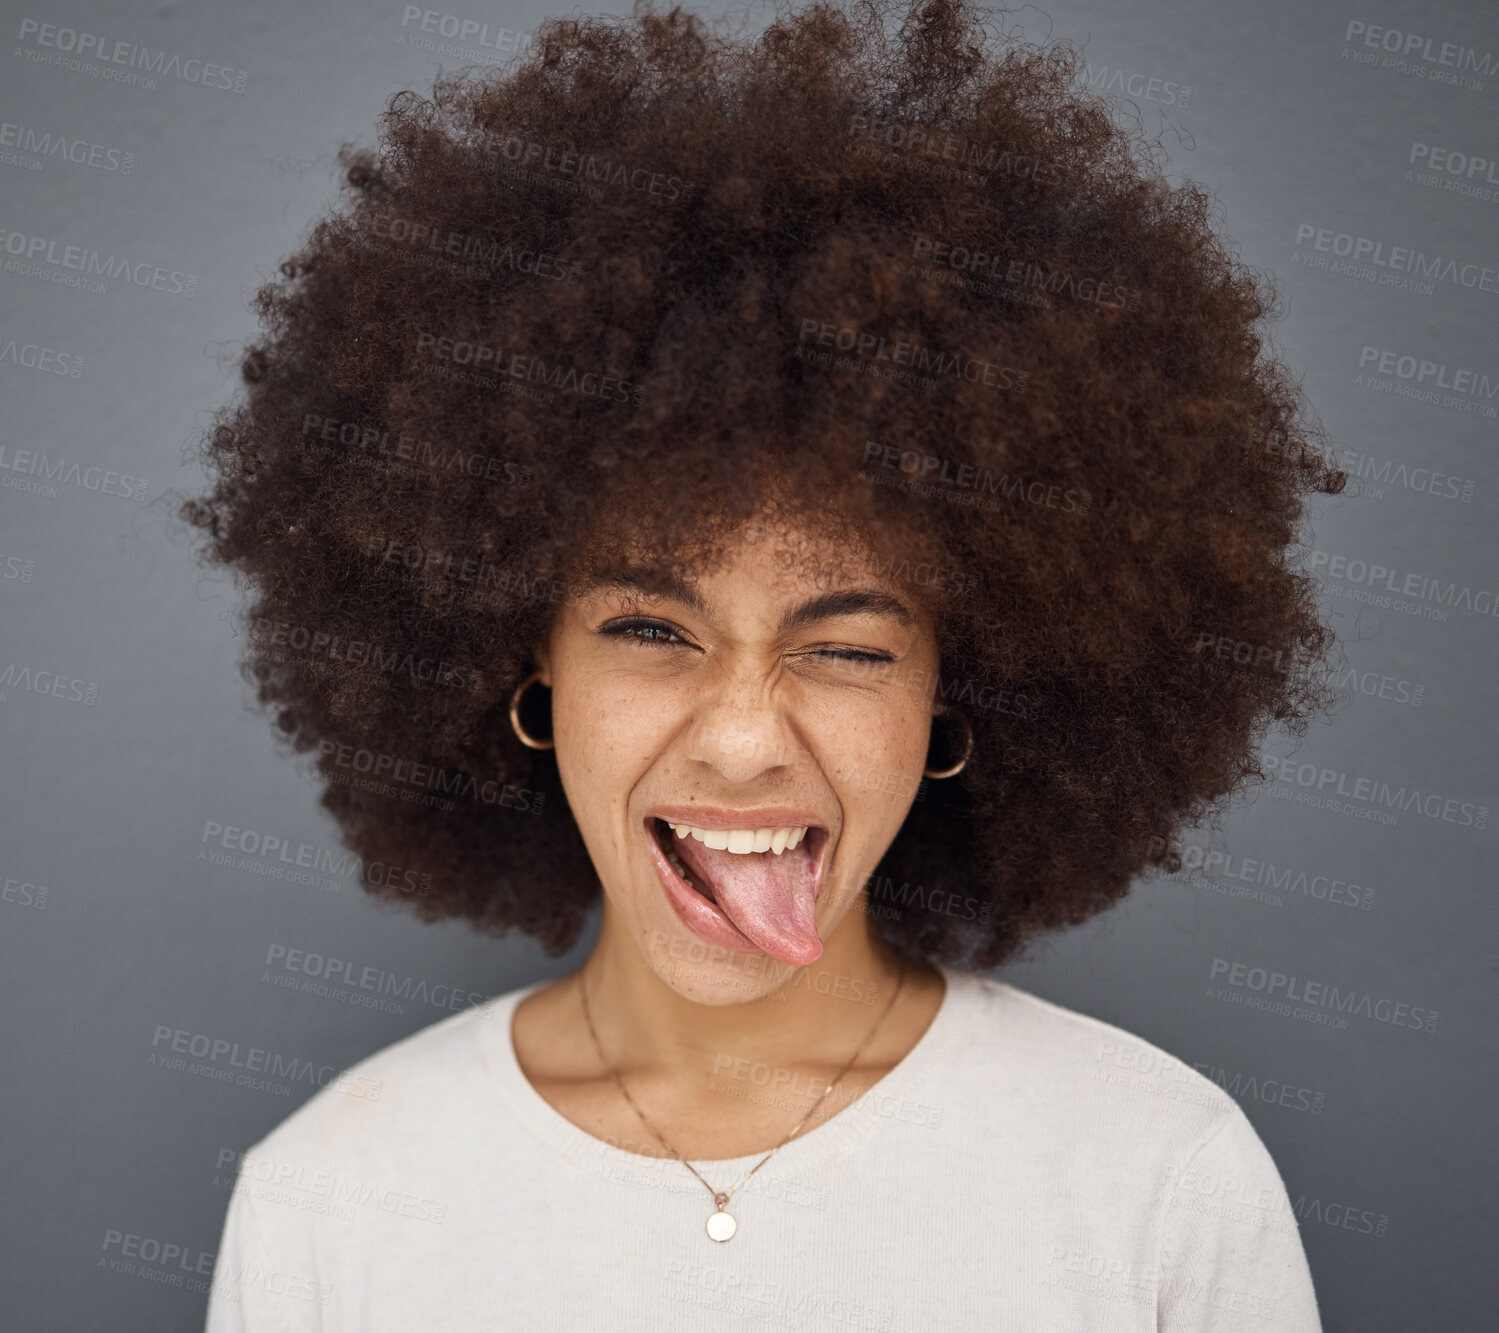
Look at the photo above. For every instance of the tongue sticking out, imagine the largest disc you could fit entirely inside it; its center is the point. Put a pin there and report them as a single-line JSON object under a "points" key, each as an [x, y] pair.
{"points": [[772, 899]]}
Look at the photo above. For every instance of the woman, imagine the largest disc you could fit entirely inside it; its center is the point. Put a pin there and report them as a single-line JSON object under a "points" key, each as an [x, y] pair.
{"points": [[821, 499]]}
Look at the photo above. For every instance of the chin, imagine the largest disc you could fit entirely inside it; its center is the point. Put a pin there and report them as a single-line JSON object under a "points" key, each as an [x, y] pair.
{"points": [[709, 973]]}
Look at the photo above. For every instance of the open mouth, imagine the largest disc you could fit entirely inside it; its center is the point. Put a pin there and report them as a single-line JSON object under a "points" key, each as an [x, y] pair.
{"points": [[666, 840], [745, 892]]}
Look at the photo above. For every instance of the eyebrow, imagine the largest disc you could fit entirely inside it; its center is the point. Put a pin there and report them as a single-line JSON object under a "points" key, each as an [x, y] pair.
{"points": [[844, 602]]}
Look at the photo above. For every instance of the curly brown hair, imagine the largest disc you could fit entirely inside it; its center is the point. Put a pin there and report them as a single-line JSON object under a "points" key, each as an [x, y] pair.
{"points": [[617, 296]]}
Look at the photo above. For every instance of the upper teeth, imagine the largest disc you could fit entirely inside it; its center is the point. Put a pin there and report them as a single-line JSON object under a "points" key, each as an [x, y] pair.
{"points": [[744, 840]]}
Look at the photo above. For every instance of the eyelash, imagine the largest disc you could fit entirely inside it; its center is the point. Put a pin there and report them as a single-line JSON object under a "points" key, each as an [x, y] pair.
{"points": [[625, 629]]}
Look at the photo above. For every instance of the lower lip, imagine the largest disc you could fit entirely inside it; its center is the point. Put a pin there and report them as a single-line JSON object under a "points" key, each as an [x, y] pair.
{"points": [[703, 918]]}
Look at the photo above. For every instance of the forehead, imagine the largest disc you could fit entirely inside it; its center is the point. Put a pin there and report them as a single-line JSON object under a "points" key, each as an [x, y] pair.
{"points": [[778, 568], [864, 598], [788, 554]]}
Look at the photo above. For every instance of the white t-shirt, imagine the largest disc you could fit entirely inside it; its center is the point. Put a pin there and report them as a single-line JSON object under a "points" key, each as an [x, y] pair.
{"points": [[1024, 1167]]}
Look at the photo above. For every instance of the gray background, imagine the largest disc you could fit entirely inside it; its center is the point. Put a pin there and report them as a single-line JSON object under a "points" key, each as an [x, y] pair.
{"points": [[105, 804]]}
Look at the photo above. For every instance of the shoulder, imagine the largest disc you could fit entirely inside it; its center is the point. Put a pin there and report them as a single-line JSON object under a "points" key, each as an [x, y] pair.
{"points": [[1115, 1126], [384, 1145], [1071, 1078], [1097, 1059], [407, 1093]]}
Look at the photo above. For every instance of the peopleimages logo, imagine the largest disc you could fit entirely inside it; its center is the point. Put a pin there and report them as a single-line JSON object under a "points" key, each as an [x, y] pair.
{"points": [[1396, 259], [433, 777], [1373, 474], [1272, 1092], [79, 46], [48, 143], [1418, 587], [1203, 865], [281, 642], [427, 459], [1452, 162], [219, 1057], [504, 361], [1376, 792], [32, 464], [48, 360], [463, 29], [303, 862], [1421, 370], [871, 348], [1418, 46], [48, 682], [282, 1180], [1150, 87], [290, 963], [32, 256], [969, 476], [1321, 994]]}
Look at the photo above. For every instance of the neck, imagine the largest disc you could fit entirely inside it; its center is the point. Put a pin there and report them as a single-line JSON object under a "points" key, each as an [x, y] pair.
{"points": [[818, 1015]]}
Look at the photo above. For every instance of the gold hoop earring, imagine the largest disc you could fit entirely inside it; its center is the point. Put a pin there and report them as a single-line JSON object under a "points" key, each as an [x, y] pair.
{"points": [[968, 749], [520, 731]]}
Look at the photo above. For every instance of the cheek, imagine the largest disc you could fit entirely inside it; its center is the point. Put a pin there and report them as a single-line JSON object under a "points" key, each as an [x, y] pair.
{"points": [[607, 734], [874, 759], [600, 714], [889, 730]]}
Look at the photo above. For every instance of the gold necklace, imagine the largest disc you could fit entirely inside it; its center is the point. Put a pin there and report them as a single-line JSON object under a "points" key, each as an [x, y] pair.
{"points": [[721, 1226]]}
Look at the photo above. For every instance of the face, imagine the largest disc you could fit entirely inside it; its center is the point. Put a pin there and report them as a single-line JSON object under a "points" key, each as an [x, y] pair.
{"points": [[741, 704]]}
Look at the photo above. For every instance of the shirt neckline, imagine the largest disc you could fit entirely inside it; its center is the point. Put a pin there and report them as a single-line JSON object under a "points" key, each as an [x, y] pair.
{"points": [[848, 1126]]}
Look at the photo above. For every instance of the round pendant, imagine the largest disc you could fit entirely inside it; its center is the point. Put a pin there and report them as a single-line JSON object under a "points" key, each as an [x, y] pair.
{"points": [[721, 1226]]}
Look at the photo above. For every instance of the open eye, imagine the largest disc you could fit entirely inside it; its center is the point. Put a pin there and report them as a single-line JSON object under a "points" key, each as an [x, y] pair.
{"points": [[644, 631], [658, 632]]}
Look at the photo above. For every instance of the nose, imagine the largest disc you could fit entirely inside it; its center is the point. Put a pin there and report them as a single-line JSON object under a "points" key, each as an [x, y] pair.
{"points": [[741, 729]]}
